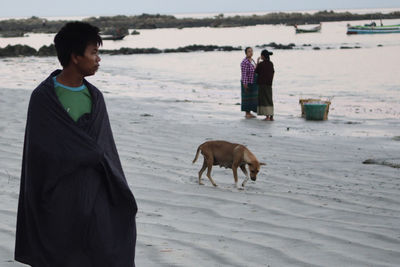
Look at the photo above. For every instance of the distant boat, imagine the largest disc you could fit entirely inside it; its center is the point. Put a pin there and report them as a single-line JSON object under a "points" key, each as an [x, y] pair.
{"points": [[372, 29], [313, 29], [112, 37]]}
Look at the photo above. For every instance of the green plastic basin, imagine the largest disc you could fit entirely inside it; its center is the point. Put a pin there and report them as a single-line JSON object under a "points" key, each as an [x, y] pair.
{"points": [[315, 111]]}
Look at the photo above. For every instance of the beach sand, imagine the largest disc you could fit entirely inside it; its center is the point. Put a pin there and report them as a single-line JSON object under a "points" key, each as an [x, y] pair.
{"points": [[314, 204]]}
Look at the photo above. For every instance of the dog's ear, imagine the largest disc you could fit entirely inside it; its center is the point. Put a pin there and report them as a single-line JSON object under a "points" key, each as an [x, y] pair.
{"points": [[262, 163]]}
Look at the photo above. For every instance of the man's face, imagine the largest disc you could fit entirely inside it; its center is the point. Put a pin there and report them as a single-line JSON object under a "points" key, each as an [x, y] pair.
{"points": [[249, 52], [88, 64]]}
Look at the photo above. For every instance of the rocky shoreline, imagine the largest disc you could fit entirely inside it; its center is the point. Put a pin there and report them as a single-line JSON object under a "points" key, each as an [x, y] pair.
{"points": [[25, 50], [45, 51], [18, 27]]}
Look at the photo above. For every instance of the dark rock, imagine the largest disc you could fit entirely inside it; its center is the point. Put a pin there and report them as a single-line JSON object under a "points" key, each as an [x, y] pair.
{"points": [[47, 51], [394, 163], [185, 49], [11, 34], [277, 46], [349, 47], [17, 50], [130, 51]]}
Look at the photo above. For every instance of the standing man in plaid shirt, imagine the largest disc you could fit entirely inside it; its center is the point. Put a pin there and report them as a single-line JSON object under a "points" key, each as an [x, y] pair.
{"points": [[249, 84]]}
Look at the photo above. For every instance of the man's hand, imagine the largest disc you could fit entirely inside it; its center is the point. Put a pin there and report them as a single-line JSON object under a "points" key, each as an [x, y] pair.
{"points": [[246, 88]]}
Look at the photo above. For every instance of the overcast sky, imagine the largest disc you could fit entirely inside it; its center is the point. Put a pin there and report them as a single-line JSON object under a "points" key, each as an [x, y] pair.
{"points": [[20, 8]]}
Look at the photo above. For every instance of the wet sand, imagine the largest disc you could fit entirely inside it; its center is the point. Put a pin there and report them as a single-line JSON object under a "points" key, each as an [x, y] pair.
{"points": [[314, 204]]}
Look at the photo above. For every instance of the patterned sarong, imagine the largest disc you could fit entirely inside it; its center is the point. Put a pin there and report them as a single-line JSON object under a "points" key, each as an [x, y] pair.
{"points": [[250, 98], [265, 102]]}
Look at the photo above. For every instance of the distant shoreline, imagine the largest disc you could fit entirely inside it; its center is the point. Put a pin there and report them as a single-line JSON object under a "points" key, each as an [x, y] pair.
{"points": [[18, 27], [211, 14], [48, 51]]}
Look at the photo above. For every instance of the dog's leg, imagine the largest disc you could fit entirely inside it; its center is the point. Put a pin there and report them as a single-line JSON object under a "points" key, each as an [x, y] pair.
{"points": [[209, 165], [235, 175], [244, 170], [202, 170]]}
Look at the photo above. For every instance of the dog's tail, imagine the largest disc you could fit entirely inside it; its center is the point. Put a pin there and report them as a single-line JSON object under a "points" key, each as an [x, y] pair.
{"points": [[197, 154]]}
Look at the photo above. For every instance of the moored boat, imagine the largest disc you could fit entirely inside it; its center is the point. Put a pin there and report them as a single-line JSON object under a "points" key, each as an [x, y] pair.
{"points": [[373, 29], [313, 29], [114, 34], [112, 37]]}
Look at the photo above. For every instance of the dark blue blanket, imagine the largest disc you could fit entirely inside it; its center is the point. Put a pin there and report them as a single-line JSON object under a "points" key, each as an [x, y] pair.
{"points": [[75, 206]]}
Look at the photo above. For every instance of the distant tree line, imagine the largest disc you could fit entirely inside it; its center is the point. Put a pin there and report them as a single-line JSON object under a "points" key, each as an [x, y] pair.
{"points": [[17, 27]]}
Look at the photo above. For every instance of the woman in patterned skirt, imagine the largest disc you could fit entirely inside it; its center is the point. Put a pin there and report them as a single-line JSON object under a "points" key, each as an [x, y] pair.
{"points": [[265, 71]]}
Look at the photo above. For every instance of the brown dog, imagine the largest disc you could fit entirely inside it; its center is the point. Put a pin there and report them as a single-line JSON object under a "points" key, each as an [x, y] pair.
{"points": [[227, 155]]}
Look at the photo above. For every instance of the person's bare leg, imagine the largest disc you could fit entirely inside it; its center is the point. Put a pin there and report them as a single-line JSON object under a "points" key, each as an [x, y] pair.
{"points": [[249, 115]]}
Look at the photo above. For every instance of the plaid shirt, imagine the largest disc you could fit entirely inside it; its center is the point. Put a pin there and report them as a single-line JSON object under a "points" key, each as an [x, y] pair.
{"points": [[247, 71]]}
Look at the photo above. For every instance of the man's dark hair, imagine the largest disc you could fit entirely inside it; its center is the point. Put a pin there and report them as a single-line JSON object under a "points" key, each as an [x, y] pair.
{"points": [[74, 37], [247, 48], [266, 54]]}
